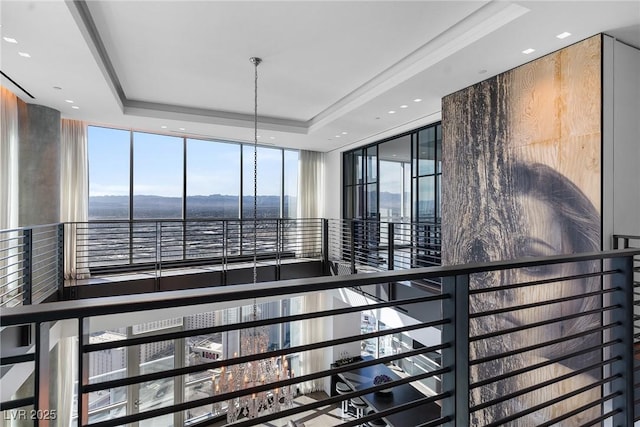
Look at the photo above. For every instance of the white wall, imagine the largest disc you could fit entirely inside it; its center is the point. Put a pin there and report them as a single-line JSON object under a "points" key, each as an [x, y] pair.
{"points": [[621, 140]]}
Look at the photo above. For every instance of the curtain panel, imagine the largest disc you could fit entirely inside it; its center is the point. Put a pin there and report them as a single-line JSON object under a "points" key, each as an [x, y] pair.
{"points": [[74, 195], [9, 186], [310, 191], [9, 160], [313, 331], [310, 176]]}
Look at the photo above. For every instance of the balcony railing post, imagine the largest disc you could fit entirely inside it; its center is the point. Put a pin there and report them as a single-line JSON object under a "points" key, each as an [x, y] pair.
{"points": [[325, 247], [455, 308], [391, 242], [60, 247], [352, 244], [279, 231], [179, 381], [158, 272], [624, 367], [83, 371], [225, 248], [27, 266], [41, 375], [131, 230], [184, 239]]}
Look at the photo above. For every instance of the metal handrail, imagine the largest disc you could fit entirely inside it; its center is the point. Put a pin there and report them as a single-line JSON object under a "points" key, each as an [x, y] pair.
{"points": [[122, 246], [633, 241], [455, 365], [142, 302], [31, 264]]}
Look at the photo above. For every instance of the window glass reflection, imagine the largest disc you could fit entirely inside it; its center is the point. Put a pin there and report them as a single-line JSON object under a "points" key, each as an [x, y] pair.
{"points": [[109, 153], [269, 180], [158, 178], [426, 198], [213, 179], [426, 151], [394, 178], [372, 164]]}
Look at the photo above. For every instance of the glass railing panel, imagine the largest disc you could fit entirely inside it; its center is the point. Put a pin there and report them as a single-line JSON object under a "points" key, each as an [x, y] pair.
{"points": [[107, 404]]}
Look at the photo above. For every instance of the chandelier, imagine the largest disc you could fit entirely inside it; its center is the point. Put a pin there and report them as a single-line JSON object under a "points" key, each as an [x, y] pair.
{"points": [[255, 340]]}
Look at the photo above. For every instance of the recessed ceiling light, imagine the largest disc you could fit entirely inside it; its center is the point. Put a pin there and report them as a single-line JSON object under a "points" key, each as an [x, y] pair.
{"points": [[75, 107], [394, 155], [163, 127], [344, 133], [24, 54], [392, 112], [337, 136], [403, 106], [181, 128], [69, 101], [272, 137], [528, 51], [563, 35], [258, 136], [417, 100], [10, 40]]}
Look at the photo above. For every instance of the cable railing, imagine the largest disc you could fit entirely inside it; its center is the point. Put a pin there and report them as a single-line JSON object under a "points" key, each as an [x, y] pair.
{"points": [[31, 268], [155, 245], [162, 248], [531, 342], [372, 245], [625, 241]]}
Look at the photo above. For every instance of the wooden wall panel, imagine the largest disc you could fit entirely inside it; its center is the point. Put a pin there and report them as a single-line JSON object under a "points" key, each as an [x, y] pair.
{"points": [[521, 177]]}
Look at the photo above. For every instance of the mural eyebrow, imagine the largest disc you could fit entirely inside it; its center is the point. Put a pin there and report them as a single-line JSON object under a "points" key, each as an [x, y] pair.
{"points": [[527, 240]]}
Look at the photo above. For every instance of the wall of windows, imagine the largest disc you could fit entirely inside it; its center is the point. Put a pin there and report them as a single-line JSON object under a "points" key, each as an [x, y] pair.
{"points": [[138, 175], [398, 179]]}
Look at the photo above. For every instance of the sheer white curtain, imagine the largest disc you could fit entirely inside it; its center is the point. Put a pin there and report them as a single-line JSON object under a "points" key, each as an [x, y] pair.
{"points": [[310, 195], [74, 192], [9, 160], [310, 185], [9, 183], [74, 206], [313, 331]]}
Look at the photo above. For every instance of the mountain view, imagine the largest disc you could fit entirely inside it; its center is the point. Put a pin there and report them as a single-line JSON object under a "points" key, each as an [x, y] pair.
{"points": [[212, 206]]}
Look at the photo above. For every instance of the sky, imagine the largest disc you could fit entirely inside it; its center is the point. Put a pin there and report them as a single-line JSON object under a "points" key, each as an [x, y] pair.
{"points": [[212, 167]]}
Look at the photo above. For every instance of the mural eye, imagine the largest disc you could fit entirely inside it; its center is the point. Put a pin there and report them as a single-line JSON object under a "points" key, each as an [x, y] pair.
{"points": [[531, 247]]}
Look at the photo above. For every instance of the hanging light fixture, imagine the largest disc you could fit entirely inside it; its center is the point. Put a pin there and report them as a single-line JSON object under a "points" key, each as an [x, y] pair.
{"points": [[255, 340]]}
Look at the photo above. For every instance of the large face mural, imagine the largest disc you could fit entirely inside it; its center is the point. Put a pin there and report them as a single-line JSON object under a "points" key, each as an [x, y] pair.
{"points": [[521, 177]]}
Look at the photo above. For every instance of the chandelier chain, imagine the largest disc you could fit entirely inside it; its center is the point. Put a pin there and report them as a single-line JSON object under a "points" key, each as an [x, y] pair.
{"points": [[254, 341], [256, 62]]}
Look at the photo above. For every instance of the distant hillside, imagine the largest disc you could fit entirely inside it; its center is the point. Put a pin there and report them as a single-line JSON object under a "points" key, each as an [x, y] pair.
{"points": [[212, 206]]}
